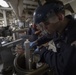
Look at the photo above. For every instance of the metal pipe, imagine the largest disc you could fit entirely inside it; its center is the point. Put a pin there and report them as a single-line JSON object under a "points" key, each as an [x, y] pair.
{"points": [[5, 19], [30, 2], [12, 43], [6, 8]]}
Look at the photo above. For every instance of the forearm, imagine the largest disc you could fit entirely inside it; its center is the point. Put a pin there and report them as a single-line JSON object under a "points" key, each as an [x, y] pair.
{"points": [[53, 58], [42, 40], [37, 32]]}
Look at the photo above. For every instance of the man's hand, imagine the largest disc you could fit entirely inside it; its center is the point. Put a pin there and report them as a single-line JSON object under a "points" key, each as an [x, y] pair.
{"points": [[38, 49], [33, 44]]}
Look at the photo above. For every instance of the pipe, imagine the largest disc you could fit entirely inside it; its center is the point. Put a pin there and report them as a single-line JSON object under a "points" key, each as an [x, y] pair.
{"points": [[12, 43]]}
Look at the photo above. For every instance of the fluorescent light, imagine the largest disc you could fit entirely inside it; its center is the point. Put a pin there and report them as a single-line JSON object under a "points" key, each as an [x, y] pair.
{"points": [[3, 3], [75, 16]]}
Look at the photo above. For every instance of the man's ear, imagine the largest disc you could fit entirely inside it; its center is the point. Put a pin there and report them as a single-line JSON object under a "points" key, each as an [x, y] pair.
{"points": [[60, 16]]}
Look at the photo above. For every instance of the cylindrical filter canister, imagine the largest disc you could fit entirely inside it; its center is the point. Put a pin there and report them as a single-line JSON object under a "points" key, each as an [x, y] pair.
{"points": [[27, 54]]}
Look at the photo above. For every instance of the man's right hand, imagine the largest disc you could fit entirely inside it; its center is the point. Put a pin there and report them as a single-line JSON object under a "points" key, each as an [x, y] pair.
{"points": [[33, 44]]}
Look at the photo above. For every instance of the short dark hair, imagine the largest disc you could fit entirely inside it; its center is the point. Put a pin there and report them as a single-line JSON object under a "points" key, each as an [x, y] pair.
{"points": [[59, 3]]}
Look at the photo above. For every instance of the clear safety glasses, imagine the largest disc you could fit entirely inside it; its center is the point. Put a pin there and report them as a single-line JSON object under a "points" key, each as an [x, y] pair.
{"points": [[51, 19]]}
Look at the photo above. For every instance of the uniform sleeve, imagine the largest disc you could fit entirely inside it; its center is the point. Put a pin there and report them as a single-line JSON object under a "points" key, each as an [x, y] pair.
{"points": [[61, 61], [43, 39]]}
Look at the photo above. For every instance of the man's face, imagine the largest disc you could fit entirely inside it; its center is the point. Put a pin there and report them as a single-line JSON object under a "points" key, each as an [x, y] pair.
{"points": [[50, 25]]}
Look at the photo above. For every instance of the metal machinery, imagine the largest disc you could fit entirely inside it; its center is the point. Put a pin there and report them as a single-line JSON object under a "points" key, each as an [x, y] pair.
{"points": [[27, 63]]}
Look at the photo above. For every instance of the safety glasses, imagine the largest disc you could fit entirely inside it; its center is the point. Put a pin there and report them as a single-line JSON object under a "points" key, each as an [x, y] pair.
{"points": [[51, 19]]}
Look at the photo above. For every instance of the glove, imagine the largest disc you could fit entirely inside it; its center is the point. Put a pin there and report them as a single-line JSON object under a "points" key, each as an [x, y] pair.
{"points": [[33, 45], [37, 50]]}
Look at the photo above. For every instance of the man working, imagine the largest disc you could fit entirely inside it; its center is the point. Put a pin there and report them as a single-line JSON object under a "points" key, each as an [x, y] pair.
{"points": [[51, 18]]}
